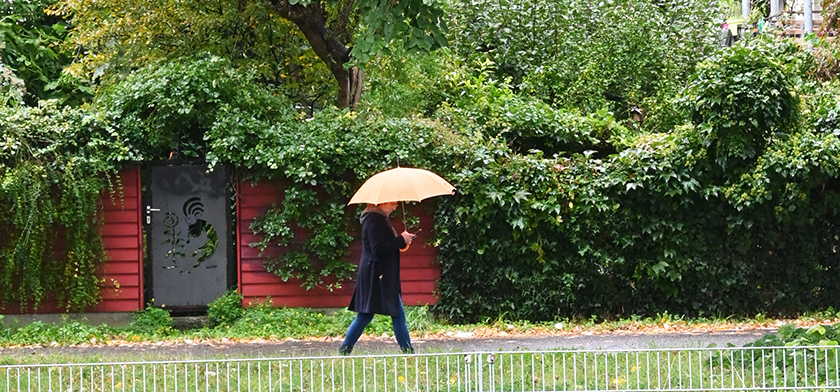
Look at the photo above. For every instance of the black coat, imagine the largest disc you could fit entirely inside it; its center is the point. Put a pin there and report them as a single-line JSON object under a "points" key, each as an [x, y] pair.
{"points": [[378, 285]]}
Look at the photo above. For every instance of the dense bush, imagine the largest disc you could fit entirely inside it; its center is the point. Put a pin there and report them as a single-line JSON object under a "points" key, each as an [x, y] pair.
{"points": [[151, 321], [170, 109], [649, 230], [740, 98], [591, 55], [656, 227], [225, 310], [486, 106]]}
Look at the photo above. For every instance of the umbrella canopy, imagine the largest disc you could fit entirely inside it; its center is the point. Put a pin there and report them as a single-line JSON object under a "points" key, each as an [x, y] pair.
{"points": [[401, 184]]}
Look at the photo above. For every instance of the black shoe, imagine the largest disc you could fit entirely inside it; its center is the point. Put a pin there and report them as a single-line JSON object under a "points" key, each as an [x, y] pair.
{"points": [[345, 349], [408, 350]]}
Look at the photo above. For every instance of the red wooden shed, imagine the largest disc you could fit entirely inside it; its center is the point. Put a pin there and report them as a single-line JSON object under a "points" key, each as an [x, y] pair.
{"points": [[123, 273]]}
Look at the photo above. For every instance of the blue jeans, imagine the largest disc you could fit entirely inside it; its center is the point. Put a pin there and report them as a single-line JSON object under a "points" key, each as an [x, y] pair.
{"points": [[363, 319]]}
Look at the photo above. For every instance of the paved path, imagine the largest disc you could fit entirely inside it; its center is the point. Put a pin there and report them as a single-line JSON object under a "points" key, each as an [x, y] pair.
{"points": [[456, 343]]}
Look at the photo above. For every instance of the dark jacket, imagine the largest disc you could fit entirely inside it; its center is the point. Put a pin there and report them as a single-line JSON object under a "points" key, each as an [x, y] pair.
{"points": [[378, 285]]}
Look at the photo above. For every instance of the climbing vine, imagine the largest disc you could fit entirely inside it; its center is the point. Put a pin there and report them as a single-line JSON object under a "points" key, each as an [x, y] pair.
{"points": [[320, 163], [54, 163]]}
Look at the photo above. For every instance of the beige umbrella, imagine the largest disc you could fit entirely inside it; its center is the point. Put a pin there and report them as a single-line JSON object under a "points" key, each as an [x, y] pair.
{"points": [[401, 184]]}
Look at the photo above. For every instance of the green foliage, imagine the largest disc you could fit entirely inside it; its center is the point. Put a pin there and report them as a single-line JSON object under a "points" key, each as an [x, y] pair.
{"points": [[481, 105], [780, 361], [822, 112], [225, 310], [499, 240], [263, 320], [31, 55], [330, 154], [587, 56], [168, 107], [290, 45], [417, 23], [151, 321], [791, 335], [739, 98], [65, 333], [54, 163], [405, 84], [656, 227], [122, 36], [536, 239]]}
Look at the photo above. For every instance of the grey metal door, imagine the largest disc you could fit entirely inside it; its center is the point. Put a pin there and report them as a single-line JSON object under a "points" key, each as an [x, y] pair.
{"points": [[188, 235]]}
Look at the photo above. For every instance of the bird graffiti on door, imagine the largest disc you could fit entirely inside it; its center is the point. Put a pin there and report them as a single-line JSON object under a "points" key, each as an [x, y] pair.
{"points": [[182, 241]]}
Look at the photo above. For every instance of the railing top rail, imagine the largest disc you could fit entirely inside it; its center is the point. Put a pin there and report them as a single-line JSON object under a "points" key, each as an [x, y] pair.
{"points": [[672, 351]]}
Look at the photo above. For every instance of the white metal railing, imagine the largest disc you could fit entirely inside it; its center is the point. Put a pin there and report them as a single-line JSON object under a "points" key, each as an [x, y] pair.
{"points": [[696, 369]]}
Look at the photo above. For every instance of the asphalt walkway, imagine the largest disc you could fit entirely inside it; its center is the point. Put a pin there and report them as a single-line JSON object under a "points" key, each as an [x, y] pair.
{"points": [[463, 342]]}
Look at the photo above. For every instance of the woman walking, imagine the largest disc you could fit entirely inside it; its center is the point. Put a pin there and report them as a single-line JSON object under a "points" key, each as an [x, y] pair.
{"points": [[378, 288]]}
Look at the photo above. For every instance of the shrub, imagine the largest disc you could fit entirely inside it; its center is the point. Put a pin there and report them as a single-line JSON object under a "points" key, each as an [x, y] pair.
{"points": [[151, 321], [739, 98], [791, 335], [225, 310], [68, 332], [5, 332]]}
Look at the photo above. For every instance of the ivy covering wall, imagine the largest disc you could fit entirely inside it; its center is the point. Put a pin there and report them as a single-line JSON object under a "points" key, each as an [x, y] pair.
{"points": [[54, 164], [735, 212]]}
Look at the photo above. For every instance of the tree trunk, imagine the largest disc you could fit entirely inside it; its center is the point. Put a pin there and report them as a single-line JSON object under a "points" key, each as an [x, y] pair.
{"points": [[350, 87], [332, 47]]}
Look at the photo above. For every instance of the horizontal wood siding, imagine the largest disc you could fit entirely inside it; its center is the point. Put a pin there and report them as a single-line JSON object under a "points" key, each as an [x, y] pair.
{"points": [[121, 273], [419, 271], [122, 234]]}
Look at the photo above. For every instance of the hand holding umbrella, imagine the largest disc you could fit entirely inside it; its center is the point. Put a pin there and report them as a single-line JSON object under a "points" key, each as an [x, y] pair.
{"points": [[399, 185]]}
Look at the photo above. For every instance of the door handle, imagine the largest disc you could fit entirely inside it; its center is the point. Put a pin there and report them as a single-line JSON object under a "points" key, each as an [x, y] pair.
{"points": [[149, 211]]}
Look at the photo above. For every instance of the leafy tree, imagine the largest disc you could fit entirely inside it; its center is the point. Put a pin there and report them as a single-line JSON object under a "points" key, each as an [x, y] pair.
{"points": [[31, 57], [292, 44], [346, 31], [589, 55], [118, 37]]}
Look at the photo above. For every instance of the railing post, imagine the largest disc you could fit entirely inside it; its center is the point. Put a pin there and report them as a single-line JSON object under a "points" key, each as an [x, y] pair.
{"points": [[480, 378]]}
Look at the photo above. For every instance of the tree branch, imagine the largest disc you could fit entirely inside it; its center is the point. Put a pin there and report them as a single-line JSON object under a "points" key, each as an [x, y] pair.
{"points": [[312, 22]]}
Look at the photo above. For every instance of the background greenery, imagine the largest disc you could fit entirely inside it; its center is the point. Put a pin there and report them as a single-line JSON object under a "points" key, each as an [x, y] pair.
{"points": [[610, 159]]}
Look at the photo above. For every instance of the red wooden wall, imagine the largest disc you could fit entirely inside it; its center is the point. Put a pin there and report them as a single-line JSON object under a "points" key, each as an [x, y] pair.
{"points": [[419, 272], [122, 236], [122, 285], [122, 272]]}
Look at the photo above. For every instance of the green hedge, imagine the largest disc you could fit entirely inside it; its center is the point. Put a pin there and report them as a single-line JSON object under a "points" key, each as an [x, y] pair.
{"points": [[734, 214]]}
